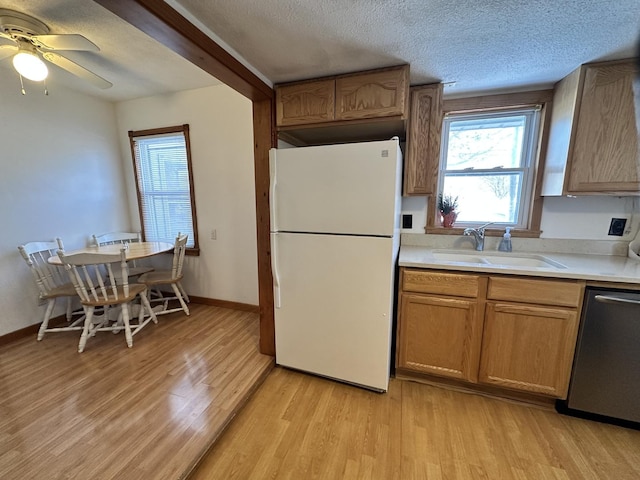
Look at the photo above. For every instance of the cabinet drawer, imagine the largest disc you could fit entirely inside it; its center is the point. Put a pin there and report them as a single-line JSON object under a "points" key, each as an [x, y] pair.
{"points": [[544, 292], [425, 281]]}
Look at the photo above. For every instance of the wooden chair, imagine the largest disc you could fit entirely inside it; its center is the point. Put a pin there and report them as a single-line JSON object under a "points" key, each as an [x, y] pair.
{"points": [[172, 277], [52, 283], [123, 238], [93, 277]]}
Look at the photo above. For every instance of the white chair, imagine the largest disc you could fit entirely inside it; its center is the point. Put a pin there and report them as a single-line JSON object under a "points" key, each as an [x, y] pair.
{"points": [[172, 277], [52, 283], [123, 238], [93, 276]]}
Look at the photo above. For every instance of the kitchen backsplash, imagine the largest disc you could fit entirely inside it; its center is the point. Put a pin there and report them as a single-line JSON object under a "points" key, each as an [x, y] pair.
{"points": [[540, 245], [580, 218]]}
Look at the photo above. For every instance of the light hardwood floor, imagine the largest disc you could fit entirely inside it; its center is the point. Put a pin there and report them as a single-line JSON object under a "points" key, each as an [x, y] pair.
{"points": [[298, 426], [145, 413]]}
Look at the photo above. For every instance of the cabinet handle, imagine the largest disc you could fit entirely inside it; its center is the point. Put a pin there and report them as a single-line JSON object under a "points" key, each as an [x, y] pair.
{"points": [[610, 299]]}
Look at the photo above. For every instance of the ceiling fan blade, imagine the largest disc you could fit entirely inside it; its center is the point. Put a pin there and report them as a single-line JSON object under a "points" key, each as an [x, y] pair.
{"points": [[7, 42], [6, 37], [76, 69], [7, 50], [71, 41]]}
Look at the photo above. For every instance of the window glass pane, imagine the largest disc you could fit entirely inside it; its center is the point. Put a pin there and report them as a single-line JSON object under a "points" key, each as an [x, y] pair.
{"points": [[486, 198], [164, 188], [485, 143], [487, 162]]}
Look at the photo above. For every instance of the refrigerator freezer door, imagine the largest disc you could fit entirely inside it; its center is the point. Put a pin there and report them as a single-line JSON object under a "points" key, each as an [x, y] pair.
{"points": [[351, 188], [336, 302]]}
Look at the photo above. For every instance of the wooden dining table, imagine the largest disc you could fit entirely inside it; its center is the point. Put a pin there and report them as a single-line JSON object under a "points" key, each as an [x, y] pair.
{"points": [[134, 251]]}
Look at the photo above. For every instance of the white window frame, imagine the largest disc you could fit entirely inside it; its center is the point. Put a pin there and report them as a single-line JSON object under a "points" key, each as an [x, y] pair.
{"points": [[192, 245], [529, 155]]}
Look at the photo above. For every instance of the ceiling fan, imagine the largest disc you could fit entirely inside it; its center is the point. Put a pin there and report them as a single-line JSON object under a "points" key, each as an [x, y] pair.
{"points": [[27, 40]]}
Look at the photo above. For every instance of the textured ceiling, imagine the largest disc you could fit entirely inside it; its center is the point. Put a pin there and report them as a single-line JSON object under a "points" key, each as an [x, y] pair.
{"points": [[482, 45]]}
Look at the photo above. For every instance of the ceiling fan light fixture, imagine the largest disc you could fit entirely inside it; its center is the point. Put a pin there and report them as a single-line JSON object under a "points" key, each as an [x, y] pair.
{"points": [[30, 66]]}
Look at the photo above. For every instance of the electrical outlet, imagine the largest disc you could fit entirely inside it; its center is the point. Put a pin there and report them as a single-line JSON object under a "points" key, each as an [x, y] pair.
{"points": [[214, 234], [616, 227]]}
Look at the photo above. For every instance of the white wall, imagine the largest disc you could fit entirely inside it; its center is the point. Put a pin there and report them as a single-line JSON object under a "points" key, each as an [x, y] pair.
{"points": [[221, 134], [60, 175], [586, 218]]}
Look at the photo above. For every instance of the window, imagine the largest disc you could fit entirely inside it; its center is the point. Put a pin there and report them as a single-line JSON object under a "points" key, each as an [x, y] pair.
{"points": [[164, 181], [488, 162]]}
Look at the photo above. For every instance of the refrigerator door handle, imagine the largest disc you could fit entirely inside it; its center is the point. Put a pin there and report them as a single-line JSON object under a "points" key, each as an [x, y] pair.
{"points": [[274, 270], [610, 299], [272, 190]]}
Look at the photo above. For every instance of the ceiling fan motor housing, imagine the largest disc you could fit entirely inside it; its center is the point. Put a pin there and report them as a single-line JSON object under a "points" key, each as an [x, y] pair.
{"points": [[26, 34], [19, 25]]}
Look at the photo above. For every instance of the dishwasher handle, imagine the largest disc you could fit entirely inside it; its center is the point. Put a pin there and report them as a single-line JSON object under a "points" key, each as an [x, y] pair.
{"points": [[610, 299]]}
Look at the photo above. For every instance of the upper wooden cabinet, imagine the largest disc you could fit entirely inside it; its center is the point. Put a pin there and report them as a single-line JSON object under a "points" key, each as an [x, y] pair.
{"points": [[423, 140], [345, 107], [370, 95], [593, 141], [307, 102]]}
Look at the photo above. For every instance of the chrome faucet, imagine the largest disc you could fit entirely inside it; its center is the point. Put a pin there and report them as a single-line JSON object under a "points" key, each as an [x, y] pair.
{"points": [[478, 235]]}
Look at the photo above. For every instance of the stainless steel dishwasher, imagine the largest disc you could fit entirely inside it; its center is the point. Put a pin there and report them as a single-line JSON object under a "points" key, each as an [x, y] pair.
{"points": [[606, 372]]}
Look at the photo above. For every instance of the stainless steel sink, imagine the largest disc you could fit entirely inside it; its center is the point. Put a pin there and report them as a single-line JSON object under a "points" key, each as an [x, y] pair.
{"points": [[496, 259]]}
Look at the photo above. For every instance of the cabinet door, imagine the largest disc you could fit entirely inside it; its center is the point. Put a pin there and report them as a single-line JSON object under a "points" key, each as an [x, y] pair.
{"points": [[304, 103], [528, 348], [370, 95], [439, 335], [605, 148], [423, 140]]}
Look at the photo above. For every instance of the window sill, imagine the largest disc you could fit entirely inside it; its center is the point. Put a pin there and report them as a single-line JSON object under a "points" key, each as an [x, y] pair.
{"points": [[194, 252], [489, 232]]}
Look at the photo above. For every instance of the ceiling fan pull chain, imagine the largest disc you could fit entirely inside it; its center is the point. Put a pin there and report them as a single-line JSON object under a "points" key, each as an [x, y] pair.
{"points": [[46, 90], [22, 85]]}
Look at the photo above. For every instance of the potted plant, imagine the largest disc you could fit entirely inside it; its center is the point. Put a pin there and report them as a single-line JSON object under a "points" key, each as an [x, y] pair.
{"points": [[447, 205]]}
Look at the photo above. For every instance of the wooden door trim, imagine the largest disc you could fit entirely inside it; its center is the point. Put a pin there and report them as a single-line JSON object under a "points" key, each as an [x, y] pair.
{"points": [[170, 28]]}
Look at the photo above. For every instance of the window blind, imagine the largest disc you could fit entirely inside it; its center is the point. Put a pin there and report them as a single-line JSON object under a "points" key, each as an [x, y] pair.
{"points": [[163, 185]]}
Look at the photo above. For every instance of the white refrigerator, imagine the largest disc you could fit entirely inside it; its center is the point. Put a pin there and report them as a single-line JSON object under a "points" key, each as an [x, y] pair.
{"points": [[335, 214]]}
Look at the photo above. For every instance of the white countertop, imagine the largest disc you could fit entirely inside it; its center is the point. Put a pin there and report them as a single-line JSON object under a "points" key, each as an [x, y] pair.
{"points": [[605, 268]]}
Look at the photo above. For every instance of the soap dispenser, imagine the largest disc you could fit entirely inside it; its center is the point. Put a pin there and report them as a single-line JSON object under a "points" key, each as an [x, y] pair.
{"points": [[505, 243]]}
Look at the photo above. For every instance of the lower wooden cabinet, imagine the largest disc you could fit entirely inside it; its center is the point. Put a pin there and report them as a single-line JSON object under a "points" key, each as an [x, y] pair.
{"points": [[528, 348], [508, 332], [440, 336]]}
